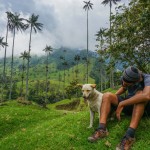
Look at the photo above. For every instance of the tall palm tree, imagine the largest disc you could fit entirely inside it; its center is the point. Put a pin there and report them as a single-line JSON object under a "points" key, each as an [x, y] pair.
{"points": [[110, 2], [48, 50], [2, 44], [105, 2], [24, 55], [100, 38], [33, 24], [77, 59], [16, 24], [64, 63], [84, 72], [87, 7], [9, 26]]}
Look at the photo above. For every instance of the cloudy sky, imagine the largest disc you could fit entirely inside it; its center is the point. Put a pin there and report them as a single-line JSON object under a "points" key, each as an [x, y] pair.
{"points": [[64, 23]]}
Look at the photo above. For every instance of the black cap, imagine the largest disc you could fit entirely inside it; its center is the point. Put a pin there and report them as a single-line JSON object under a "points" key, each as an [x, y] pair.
{"points": [[131, 74]]}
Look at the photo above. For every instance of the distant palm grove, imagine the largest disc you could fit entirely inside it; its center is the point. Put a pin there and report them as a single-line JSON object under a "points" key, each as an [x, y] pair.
{"points": [[55, 75]]}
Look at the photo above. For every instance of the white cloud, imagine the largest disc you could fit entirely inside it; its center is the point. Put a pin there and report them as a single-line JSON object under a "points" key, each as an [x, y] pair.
{"points": [[64, 24]]}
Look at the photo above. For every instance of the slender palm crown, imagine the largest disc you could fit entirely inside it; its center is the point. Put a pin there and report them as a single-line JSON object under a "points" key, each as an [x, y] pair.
{"points": [[16, 22], [100, 33], [34, 24], [77, 57], [10, 20], [87, 6], [24, 55], [48, 49], [105, 2]]}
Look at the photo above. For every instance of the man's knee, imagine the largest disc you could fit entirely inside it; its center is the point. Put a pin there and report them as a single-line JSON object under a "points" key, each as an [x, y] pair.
{"points": [[110, 97], [107, 95]]}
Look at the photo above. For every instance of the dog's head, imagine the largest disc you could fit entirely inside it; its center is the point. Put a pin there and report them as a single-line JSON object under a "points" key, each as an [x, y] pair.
{"points": [[87, 89]]}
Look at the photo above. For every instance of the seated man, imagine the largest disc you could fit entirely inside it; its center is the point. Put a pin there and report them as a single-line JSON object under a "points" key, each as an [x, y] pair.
{"points": [[137, 102]]}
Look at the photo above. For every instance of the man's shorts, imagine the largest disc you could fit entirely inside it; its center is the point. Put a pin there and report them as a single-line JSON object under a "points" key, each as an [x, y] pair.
{"points": [[128, 109]]}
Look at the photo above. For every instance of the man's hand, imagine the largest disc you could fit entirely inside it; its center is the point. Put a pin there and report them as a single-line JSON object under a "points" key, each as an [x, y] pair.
{"points": [[119, 110]]}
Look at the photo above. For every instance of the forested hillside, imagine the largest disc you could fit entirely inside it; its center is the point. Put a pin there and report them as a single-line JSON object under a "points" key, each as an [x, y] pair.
{"points": [[64, 67]]}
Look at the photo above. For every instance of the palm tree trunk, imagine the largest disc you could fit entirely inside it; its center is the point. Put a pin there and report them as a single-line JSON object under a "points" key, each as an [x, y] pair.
{"points": [[12, 63], [111, 69], [4, 74], [101, 81], [59, 80], [77, 69], [105, 78], [27, 77], [46, 78], [22, 79], [87, 46], [64, 84], [110, 21]]}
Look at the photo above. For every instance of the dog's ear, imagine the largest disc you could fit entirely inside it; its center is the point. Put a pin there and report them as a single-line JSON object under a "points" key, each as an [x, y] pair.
{"points": [[93, 85], [80, 85]]}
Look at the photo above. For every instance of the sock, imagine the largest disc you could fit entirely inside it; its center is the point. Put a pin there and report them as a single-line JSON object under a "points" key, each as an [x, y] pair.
{"points": [[130, 132], [102, 126]]}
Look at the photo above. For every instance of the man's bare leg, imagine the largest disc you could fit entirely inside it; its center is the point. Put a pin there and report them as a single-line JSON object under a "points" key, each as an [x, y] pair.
{"points": [[129, 137], [108, 99], [137, 113]]}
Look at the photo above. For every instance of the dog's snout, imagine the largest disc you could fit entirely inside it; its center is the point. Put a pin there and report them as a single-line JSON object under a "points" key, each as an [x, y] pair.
{"points": [[84, 96]]}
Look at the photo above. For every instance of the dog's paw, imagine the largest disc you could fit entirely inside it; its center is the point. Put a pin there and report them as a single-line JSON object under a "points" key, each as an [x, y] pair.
{"points": [[90, 127], [112, 118]]}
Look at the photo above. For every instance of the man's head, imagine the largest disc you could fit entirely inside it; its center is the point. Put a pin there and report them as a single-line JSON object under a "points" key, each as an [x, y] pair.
{"points": [[131, 75]]}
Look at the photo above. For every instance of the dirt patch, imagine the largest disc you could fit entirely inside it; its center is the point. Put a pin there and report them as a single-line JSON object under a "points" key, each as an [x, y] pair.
{"points": [[70, 106], [24, 102]]}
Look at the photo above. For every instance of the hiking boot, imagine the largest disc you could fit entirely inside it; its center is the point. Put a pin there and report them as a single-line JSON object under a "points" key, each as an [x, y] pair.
{"points": [[125, 143], [99, 133]]}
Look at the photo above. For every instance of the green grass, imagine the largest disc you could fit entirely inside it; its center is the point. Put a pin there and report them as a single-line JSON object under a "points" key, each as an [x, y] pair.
{"points": [[34, 128]]}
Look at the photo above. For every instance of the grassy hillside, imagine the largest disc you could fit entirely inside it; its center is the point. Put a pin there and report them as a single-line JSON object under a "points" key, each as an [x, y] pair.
{"points": [[56, 67], [37, 72], [29, 127]]}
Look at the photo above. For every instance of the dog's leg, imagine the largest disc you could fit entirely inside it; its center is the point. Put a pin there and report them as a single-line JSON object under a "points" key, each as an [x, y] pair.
{"points": [[112, 116], [98, 112], [91, 118]]}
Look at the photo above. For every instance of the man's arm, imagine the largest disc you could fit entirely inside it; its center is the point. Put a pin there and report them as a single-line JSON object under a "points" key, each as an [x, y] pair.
{"points": [[138, 98], [120, 91], [143, 97]]}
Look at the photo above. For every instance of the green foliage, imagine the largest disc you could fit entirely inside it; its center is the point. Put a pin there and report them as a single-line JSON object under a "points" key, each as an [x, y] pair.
{"points": [[73, 90], [14, 93], [131, 35]]}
